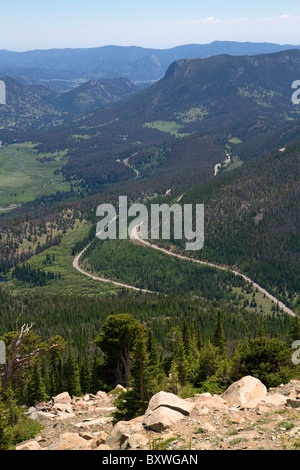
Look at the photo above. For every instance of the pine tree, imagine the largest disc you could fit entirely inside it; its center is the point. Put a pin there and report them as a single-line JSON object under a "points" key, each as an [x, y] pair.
{"points": [[260, 333], [179, 356], [294, 332], [56, 374], [218, 339], [72, 375], [174, 378], [142, 381], [36, 387], [192, 355], [85, 374], [97, 383]]}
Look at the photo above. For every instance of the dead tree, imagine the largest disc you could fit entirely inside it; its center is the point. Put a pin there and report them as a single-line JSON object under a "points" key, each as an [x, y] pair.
{"points": [[16, 360]]}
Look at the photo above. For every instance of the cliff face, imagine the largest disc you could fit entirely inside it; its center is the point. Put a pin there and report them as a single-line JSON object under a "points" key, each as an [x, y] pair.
{"points": [[246, 417]]}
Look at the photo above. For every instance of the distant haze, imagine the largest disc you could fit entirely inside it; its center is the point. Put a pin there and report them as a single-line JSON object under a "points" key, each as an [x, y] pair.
{"points": [[156, 24]]}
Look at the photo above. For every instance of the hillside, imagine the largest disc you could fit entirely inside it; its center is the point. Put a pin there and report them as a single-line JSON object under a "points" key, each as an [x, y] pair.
{"points": [[252, 222], [136, 63], [261, 420], [189, 115], [33, 106]]}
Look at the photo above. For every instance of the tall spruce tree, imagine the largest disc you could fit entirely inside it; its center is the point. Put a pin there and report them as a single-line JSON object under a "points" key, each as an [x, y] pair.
{"points": [[218, 339], [142, 381], [179, 356], [72, 374]]}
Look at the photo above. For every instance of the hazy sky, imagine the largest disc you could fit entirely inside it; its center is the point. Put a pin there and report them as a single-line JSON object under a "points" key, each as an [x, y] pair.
{"points": [[39, 24]]}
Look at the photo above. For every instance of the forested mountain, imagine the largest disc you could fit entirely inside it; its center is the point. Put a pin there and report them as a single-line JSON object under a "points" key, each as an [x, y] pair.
{"points": [[220, 131], [34, 106], [201, 107], [135, 63], [252, 222]]}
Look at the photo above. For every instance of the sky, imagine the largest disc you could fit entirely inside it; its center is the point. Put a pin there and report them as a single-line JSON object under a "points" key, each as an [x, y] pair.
{"points": [[40, 24]]}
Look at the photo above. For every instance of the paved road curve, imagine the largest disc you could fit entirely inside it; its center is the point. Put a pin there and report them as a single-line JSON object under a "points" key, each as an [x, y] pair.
{"points": [[135, 238]]}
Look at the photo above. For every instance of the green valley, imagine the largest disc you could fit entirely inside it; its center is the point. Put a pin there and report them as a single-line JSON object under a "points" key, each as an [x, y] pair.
{"points": [[26, 175]]}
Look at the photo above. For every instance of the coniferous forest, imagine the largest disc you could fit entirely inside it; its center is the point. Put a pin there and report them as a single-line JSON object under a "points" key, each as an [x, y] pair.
{"points": [[82, 315]]}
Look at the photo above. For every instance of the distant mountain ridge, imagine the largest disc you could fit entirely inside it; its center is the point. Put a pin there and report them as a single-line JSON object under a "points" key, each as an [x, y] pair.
{"points": [[38, 106], [184, 123], [135, 63]]}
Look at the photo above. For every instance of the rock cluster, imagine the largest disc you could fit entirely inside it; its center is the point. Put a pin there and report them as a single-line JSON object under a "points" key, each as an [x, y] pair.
{"points": [[245, 416]]}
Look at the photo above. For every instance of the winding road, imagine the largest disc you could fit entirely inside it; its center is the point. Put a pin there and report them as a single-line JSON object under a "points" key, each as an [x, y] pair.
{"points": [[136, 238]]}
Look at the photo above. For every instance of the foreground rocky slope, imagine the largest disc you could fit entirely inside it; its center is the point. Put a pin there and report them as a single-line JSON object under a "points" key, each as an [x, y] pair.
{"points": [[246, 416]]}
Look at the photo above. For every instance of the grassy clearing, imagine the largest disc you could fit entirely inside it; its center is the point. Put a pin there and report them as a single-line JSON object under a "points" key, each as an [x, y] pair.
{"points": [[170, 127], [26, 175], [235, 162], [71, 282], [235, 141], [193, 115]]}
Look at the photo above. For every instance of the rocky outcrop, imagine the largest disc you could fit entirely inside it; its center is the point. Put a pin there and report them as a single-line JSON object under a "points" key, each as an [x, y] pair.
{"points": [[122, 431], [235, 419], [164, 410], [244, 391]]}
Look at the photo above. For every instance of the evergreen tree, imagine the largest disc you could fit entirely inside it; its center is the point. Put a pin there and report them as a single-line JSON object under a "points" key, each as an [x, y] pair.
{"points": [[179, 356], [294, 332], [174, 378], [192, 355], [36, 387], [261, 328], [142, 381], [72, 374], [85, 374], [116, 340], [56, 374], [97, 372], [209, 359], [218, 339], [4, 423]]}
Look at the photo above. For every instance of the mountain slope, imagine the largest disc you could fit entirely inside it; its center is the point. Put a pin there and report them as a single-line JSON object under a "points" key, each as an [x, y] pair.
{"points": [[211, 101], [34, 106], [135, 63], [252, 222], [93, 94]]}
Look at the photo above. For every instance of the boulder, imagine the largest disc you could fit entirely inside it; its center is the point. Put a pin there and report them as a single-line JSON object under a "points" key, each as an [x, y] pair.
{"points": [[199, 411], [208, 427], [62, 398], [31, 445], [138, 441], [211, 403], [42, 415], [162, 418], [103, 447], [62, 416], [94, 422], [171, 401], [64, 407], [244, 391], [122, 431], [71, 441], [273, 400], [101, 438]]}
